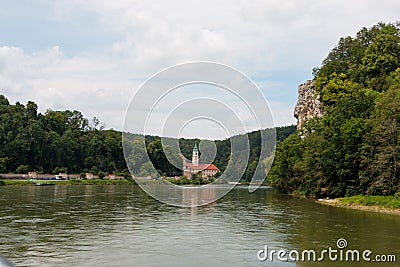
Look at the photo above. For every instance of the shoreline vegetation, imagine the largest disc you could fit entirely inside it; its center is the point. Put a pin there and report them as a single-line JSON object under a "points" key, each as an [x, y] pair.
{"points": [[23, 182], [346, 149], [66, 142], [351, 148], [68, 182], [381, 204]]}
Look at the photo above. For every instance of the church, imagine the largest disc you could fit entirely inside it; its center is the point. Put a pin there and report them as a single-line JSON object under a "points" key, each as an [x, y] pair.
{"points": [[190, 168]]}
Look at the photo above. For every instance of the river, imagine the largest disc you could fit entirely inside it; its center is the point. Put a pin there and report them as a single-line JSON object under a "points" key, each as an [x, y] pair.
{"points": [[120, 225]]}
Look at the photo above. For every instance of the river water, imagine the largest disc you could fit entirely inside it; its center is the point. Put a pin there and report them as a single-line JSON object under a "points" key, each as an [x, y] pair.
{"points": [[120, 225]]}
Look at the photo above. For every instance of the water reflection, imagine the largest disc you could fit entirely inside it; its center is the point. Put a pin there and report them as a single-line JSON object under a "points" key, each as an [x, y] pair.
{"points": [[123, 226]]}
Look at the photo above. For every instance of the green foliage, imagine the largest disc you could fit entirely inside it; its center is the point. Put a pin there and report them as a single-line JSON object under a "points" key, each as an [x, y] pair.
{"points": [[94, 181], [183, 180], [381, 172], [287, 163], [61, 141], [147, 169], [335, 87], [195, 180], [157, 152], [22, 169], [43, 142], [365, 59], [101, 175], [16, 182], [58, 170], [391, 202], [355, 147], [383, 54], [3, 164]]}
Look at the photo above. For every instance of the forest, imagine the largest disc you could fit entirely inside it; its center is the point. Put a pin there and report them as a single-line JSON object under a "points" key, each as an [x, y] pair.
{"points": [[141, 166], [354, 148], [55, 141], [67, 141]]}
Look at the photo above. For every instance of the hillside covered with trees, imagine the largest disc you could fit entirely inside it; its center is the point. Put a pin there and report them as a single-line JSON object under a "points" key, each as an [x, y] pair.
{"points": [[67, 141], [354, 148], [55, 141]]}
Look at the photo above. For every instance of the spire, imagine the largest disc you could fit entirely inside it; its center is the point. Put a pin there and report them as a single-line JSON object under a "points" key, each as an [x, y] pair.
{"points": [[195, 155]]}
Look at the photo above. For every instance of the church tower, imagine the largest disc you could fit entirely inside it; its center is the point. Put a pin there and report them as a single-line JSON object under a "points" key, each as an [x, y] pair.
{"points": [[195, 155]]}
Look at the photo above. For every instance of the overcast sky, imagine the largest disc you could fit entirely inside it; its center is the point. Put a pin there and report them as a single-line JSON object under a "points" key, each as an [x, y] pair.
{"points": [[92, 56]]}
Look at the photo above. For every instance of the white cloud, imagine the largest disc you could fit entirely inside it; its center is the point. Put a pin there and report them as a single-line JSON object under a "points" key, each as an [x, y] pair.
{"points": [[54, 81], [260, 38]]}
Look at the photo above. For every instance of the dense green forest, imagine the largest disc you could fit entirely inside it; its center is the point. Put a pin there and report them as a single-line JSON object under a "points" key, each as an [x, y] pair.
{"points": [[54, 141], [67, 141], [354, 148], [139, 164]]}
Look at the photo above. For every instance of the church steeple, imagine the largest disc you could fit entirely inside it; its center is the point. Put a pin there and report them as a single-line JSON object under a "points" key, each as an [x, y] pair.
{"points": [[195, 155]]}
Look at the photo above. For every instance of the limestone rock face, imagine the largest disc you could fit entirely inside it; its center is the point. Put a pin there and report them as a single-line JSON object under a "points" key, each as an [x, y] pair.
{"points": [[308, 104]]}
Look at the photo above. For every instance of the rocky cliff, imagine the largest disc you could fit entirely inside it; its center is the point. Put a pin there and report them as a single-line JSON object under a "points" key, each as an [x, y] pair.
{"points": [[308, 103]]}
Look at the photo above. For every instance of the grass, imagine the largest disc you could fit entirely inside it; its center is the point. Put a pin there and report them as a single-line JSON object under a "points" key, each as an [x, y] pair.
{"points": [[16, 182], [96, 181], [68, 182], [391, 202]]}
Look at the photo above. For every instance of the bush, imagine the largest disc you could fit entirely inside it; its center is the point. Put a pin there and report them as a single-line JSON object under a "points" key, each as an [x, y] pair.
{"points": [[2, 183], [101, 175], [22, 169], [94, 170], [126, 174]]}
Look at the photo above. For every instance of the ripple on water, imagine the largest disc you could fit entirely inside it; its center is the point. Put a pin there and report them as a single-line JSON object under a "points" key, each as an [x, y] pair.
{"points": [[121, 226]]}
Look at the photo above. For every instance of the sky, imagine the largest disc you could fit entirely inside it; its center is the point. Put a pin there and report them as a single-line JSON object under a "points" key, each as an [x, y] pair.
{"points": [[93, 56]]}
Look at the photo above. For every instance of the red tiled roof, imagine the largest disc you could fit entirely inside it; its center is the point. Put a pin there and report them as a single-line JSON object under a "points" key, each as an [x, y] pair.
{"points": [[202, 167]]}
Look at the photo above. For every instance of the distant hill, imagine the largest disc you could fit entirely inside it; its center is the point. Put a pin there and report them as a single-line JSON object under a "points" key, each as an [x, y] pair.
{"points": [[67, 141]]}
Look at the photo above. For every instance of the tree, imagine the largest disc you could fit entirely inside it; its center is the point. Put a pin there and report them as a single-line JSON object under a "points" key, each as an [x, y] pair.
{"points": [[381, 174], [3, 164], [383, 54], [58, 170], [55, 121], [336, 87], [31, 111], [22, 169], [147, 169], [101, 175], [354, 147], [286, 174], [158, 158]]}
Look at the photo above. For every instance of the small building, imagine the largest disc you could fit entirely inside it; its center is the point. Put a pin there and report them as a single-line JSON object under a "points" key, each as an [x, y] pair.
{"points": [[89, 176], [32, 175], [74, 176], [190, 168], [112, 176]]}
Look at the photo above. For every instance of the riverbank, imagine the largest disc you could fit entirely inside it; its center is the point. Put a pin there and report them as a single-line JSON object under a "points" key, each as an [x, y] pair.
{"points": [[68, 182], [382, 204]]}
